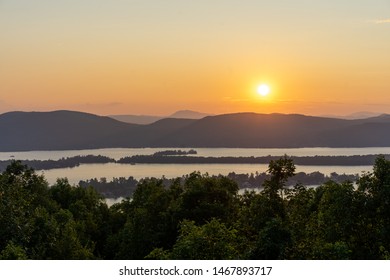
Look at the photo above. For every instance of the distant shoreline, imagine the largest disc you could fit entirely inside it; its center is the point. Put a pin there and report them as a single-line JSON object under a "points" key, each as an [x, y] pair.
{"points": [[69, 162], [355, 160]]}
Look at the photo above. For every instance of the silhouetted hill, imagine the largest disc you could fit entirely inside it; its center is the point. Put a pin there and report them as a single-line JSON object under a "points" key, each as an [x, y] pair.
{"points": [[57, 130], [75, 130], [153, 134], [384, 118], [136, 119], [145, 119], [255, 130], [188, 114], [354, 116]]}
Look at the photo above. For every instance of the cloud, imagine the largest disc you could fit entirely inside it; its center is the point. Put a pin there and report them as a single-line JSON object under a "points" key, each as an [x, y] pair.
{"points": [[380, 21]]}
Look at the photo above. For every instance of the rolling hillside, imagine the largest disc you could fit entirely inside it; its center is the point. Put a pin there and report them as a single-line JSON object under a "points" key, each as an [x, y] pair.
{"points": [[61, 130], [145, 119]]}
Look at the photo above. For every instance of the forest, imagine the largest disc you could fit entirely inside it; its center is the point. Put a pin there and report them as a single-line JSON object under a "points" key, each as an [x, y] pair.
{"points": [[198, 217], [125, 186]]}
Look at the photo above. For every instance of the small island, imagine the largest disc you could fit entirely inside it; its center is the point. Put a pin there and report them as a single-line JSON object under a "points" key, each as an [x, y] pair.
{"points": [[175, 153]]}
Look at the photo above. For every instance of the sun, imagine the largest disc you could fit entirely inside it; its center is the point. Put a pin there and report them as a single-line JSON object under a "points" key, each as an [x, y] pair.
{"points": [[263, 89]]}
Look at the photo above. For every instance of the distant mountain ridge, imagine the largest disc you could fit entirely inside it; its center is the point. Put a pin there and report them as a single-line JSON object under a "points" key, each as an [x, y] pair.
{"points": [[58, 130], [146, 119], [136, 119], [188, 114], [355, 116], [63, 130]]}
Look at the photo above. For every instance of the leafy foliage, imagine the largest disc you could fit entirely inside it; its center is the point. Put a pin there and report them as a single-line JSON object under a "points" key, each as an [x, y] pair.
{"points": [[198, 217]]}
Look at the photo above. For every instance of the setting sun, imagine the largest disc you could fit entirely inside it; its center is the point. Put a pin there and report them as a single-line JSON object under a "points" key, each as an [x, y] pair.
{"points": [[263, 90]]}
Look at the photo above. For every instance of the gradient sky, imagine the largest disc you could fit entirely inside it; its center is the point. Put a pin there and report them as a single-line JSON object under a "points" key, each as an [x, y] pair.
{"points": [[156, 57]]}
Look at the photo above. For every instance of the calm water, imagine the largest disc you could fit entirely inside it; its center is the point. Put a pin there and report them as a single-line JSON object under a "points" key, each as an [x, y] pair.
{"points": [[139, 171], [211, 152], [110, 170]]}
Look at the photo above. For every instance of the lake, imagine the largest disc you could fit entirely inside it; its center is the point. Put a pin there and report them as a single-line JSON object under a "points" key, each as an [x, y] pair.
{"points": [[110, 170], [138, 171], [118, 153]]}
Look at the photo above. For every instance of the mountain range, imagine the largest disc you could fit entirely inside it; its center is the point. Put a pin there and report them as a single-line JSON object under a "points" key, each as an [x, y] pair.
{"points": [[63, 130], [355, 116], [147, 119]]}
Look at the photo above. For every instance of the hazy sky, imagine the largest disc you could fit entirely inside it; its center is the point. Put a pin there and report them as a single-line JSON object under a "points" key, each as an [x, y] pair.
{"points": [[156, 57]]}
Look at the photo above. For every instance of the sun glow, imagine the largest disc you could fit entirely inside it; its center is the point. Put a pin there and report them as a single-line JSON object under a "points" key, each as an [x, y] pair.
{"points": [[263, 90]]}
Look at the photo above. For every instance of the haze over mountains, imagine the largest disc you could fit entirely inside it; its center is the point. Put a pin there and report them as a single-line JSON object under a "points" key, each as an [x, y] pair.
{"points": [[355, 116], [62, 130], [147, 119]]}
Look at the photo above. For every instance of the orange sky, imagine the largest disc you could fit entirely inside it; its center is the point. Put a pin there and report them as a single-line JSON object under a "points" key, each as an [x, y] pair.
{"points": [[157, 57]]}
